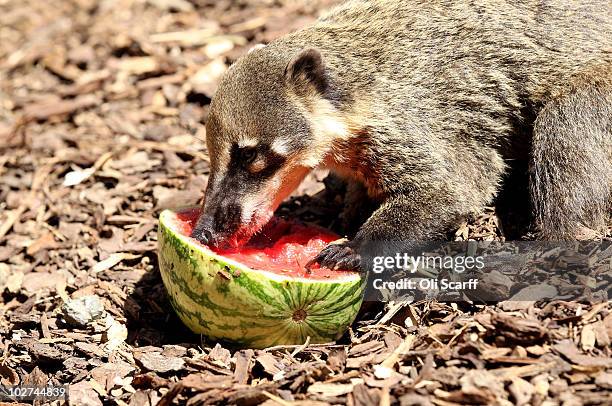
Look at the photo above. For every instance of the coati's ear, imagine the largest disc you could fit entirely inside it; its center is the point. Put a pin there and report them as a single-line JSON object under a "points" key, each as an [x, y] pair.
{"points": [[307, 70]]}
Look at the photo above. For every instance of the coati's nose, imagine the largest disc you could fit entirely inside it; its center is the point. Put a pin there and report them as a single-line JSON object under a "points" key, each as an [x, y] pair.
{"points": [[203, 231], [205, 236], [216, 229]]}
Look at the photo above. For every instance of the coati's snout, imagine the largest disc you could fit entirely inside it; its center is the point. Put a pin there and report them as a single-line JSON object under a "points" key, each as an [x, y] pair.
{"points": [[218, 223], [242, 197], [263, 136]]}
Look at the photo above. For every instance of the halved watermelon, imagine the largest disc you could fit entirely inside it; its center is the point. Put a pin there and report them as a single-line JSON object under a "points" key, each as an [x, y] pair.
{"points": [[258, 295]]}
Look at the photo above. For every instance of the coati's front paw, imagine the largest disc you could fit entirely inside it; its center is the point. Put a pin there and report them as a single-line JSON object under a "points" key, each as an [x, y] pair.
{"points": [[338, 256]]}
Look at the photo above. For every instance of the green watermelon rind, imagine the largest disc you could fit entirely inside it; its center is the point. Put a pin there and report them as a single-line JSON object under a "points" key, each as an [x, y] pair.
{"points": [[225, 300]]}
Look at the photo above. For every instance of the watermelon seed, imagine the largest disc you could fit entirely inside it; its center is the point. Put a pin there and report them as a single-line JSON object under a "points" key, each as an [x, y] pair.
{"points": [[299, 315]]}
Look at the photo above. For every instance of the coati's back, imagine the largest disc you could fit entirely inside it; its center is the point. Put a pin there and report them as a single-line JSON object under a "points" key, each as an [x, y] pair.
{"points": [[453, 56], [523, 39]]}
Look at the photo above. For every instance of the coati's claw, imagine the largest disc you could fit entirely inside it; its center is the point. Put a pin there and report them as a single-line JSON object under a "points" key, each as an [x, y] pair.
{"points": [[337, 256]]}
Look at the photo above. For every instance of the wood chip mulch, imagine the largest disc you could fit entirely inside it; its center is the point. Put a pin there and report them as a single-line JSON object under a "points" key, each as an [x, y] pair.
{"points": [[101, 105]]}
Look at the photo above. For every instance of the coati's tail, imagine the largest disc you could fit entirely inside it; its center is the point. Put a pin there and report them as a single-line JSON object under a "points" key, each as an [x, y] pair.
{"points": [[571, 167]]}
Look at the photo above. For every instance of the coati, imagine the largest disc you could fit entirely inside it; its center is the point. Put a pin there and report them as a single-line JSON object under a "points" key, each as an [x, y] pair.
{"points": [[425, 105]]}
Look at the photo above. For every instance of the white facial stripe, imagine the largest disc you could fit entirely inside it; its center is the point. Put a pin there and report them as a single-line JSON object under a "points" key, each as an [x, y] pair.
{"points": [[287, 181], [328, 126], [327, 121], [280, 147], [247, 142], [276, 189], [248, 209], [331, 125]]}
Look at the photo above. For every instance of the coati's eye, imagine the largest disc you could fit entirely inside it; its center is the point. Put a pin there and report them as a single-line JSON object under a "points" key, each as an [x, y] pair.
{"points": [[248, 155]]}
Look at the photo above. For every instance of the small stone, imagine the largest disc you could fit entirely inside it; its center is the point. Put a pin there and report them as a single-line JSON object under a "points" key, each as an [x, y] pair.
{"points": [[382, 372], [156, 362], [82, 311]]}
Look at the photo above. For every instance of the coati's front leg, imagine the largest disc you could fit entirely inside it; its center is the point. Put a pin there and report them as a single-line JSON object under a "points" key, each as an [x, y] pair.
{"points": [[402, 222], [358, 207]]}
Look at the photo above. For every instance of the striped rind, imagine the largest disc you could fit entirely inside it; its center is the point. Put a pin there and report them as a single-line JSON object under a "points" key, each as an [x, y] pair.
{"points": [[226, 300]]}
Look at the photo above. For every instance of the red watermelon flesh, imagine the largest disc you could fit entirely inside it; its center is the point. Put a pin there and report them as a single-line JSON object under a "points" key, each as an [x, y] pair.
{"points": [[283, 247]]}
